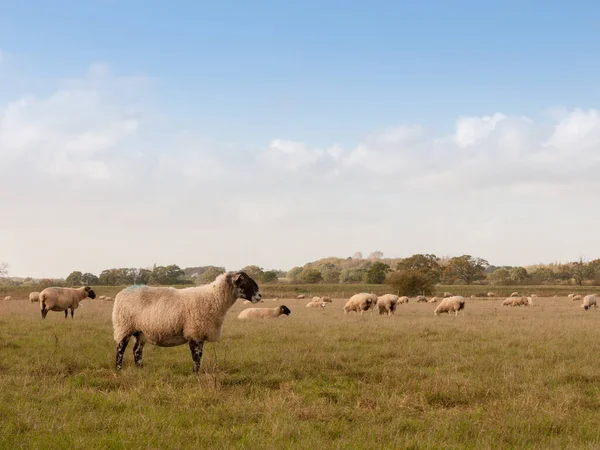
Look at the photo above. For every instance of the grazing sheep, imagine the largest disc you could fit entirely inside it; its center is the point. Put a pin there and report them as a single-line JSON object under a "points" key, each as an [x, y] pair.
{"points": [[34, 297], [570, 295], [517, 301], [102, 297], [247, 302], [301, 296], [507, 302], [266, 313], [514, 294], [360, 302], [326, 299], [109, 299], [473, 296], [386, 304], [491, 294], [316, 305], [530, 300], [167, 317], [316, 299], [589, 301], [63, 299], [433, 300], [449, 304], [576, 298], [275, 299], [403, 299], [421, 299], [447, 294], [8, 298]]}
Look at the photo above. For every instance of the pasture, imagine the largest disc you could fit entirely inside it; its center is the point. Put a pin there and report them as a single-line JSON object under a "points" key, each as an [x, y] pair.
{"points": [[493, 377]]}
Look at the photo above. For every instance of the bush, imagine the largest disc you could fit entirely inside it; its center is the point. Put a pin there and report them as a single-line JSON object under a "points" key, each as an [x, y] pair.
{"points": [[410, 282]]}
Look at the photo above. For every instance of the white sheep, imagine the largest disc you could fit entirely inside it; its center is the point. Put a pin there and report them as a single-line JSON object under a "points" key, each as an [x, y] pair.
{"points": [[515, 294], [264, 313], [455, 303], [491, 294], [530, 300], [8, 298], [63, 299], [275, 299], [403, 299], [433, 300], [301, 296], [421, 299], [386, 304], [360, 302], [570, 295], [34, 297], [316, 305], [508, 301], [589, 301], [447, 294], [167, 317], [326, 299], [576, 298], [109, 299], [316, 299], [247, 302]]}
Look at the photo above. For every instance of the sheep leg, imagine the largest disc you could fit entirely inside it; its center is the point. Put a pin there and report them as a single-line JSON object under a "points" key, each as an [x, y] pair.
{"points": [[138, 348], [196, 349], [121, 346], [72, 312], [44, 312], [66, 313]]}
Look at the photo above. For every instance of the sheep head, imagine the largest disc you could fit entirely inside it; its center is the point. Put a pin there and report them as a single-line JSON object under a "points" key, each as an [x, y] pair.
{"points": [[284, 310], [246, 287], [90, 293]]}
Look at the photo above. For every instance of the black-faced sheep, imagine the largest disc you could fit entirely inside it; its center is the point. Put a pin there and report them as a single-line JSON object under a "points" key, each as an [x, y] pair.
{"points": [[167, 317], [63, 299], [265, 313]]}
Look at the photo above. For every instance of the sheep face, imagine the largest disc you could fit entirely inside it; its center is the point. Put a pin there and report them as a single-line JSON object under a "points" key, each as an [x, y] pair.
{"points": [[90, 293], [246, 287], [284, 310]]}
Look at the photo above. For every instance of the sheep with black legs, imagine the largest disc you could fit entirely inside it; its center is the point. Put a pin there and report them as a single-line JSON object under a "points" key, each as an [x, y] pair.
{"points": [[63, 299], [167, 317]]}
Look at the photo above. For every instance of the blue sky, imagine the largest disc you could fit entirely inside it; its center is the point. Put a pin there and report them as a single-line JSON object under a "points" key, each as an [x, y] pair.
{"points": [[291, 104]]}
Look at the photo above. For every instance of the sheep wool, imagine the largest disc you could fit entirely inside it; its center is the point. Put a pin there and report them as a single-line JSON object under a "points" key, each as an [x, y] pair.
{"points": [[266, 313], [447, 294], [8, 298], [386, 304], [316, 305], [34, 297], [403, 299], [421, 299], [455, 303], [360, 302], [433, 300], [167, 317], [589, 301], [63, 299]]}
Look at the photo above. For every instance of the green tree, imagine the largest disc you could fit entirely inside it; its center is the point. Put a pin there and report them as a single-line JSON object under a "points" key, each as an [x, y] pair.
{"points": [[426, 264], [518, 275], [143, 276], [465, 269], [410, 282], [311, 275], [254, 272], [499, 277], [354, 275], [542, 275], [210, 274], [89, 279], [293, 274], [269, 276], [375, 274], [108, 277], [74, 279], [330, 273], [582, 271]]}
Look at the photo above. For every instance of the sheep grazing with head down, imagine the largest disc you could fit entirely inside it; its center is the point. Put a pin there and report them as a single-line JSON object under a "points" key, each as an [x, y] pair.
{"points": [[491, 294], [576, 298], [589, 301], [63, 299], [421, 299], [433, 300], [265, 313], [167, 317], [447, 294], [326, 299], [386, 304], [34, 297], [360, 302], [455, 303], [8, 298], [301, 296], [403, 299]]}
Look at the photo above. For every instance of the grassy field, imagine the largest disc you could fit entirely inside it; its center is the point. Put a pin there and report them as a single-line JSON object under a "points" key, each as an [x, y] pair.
{"points": [[493, 377]]}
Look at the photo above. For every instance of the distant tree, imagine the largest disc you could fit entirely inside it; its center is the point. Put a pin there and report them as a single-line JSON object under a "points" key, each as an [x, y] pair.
{"points": [[518, 275], [581, 271], [410, 282], [352, 275], [143, 276], [254, 272], [269, 276], [3, 269], [210, 274], [499, 277], [310, 275], [542, 275], [375, 274], [89, 279], [294, 273], [330, 273], [465, 269], [108, 277], [357, 255], [426, 264], [376, 255], [74, 279]]}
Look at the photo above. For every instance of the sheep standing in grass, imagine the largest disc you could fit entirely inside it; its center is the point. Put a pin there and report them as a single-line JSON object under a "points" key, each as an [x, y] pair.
{"points": [[421, 299], [63, 299], [403, 299], [316, 305], [8, 298], [265, 313], [167, 317], [589, 301], [360, 302], [455, 303], [433, 300], [34, 297], [386, 304], [491, 294], [576, 298], [447, 294]]}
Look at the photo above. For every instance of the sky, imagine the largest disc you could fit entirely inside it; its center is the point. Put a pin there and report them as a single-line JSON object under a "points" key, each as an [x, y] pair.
{"points": [[276, 133]]}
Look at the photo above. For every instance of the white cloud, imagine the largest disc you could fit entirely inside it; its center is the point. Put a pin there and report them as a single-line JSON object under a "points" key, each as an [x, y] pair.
{"points": [[95, 167]]}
